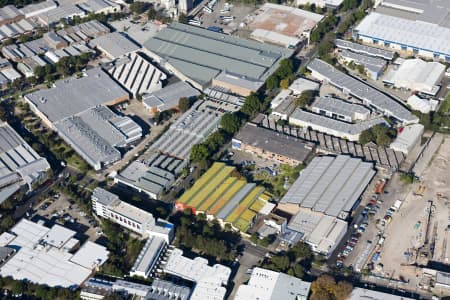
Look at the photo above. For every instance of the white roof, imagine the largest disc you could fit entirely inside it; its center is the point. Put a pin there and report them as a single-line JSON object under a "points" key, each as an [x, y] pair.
{"points": [[90, 255], [415, 34], [58, 235], [209, 279], [327, 234], [407, 137], [417, 74], [302, 84], [422, 105], [269, 285], [39, 262]]}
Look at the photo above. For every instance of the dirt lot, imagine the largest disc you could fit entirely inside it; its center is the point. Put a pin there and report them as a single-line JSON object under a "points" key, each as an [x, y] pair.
{"points": [[408, 232], [65, 212]]}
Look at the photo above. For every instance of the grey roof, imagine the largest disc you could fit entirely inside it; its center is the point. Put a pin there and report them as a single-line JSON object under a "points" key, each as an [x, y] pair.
{"points": [[72, 96], [410, 33], [93, 147], [363, 49], [333, 124], [104, 197], [9, 12], [92, 6], [237, 198], [191, 128], [287, 285], [202, 54], [274, 142], [114, 44], [169, 96], [65, 11], [166, 290], [443, 278], [239, 80], [137, 74], [339, 106], [221, 94], [36, 7], [372, 64], [149, 255], [430, 11], [5, 253], [369, 95], [19, 163], [330, 185], [365, 294], [83, 31]]}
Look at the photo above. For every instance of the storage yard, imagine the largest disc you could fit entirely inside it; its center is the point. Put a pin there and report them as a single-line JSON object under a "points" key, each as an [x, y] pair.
{"points": [[415, 235]]}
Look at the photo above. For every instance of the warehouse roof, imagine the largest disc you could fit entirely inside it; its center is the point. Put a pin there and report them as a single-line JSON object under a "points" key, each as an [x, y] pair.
{"points": [[46, 264], [162, 290], [190, 128], [210, 280], [202, 54], [274, 142], [137, 74], [330, 185], [169, 96], [417, 74], [363, 49], [239, 80], [339, 106], [93, 6], [431, 11], [363, 91], [37, 7], [269, 285], [65, 11], [301, 84], [114, 44], [372, 64], [9, 12], [414, 34], [333, 124], [19, 163], [407, 137], [104, 197], [72, 96]]}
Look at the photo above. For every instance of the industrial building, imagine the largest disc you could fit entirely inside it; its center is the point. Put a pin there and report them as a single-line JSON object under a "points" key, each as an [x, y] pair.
{"points": [[97, 289], [272, 145], [407, 138], [321, 3], [114, 45], [269, 285], [152, 176], [169, 96], [364, 49], [334, 127], [360, 293], [10, 14], [301, 84], [282, 25], [109, 206], [415, 37], [149, 257], [19, 164], [322, 198], [100, 7], [73, 95], [136, 74], [222, 98], [198, 55], [189, 129], [12, 30], [373, 66], [62, 12], [237, 84], [83, 32], [49, 256], [34, 9], [230, 199], [339, 109], [7, 73], [97, 134], [422, 105], [367, 94], [416, 75], [209, 281]]}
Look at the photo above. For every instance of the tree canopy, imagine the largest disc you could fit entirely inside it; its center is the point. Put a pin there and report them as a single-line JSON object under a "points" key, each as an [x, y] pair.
{"points": [[326, 288], [230, 123]]}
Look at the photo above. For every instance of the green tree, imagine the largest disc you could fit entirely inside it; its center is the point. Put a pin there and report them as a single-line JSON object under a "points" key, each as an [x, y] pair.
{"points": [[182, 18], [306, 98], [139, 7], [230, 123], [251, 105], [284, 83], [184, 104], [272, 82], [199, 153], [366, 136]]}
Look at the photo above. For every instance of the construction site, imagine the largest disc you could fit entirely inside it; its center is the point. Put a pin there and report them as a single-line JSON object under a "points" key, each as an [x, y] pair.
{"points": [[419, 237]]}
